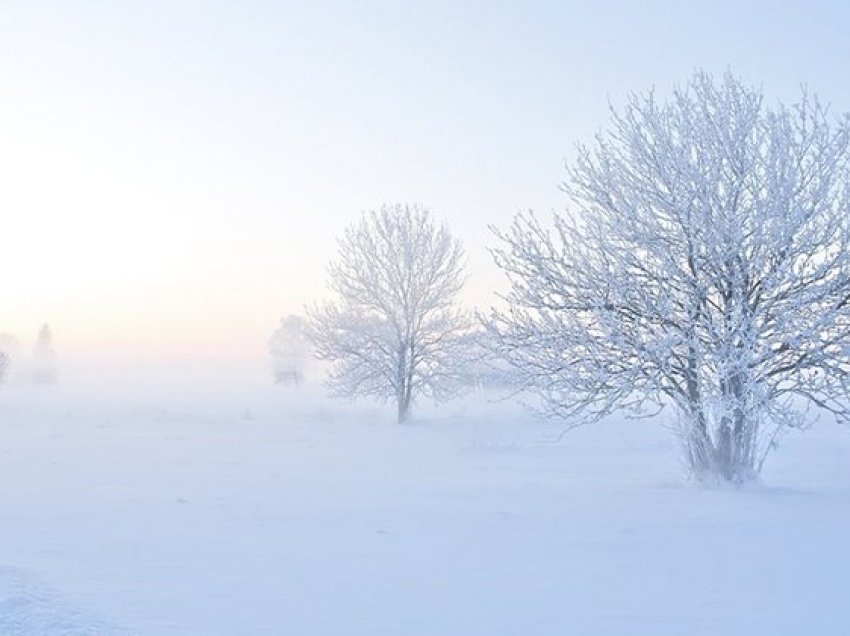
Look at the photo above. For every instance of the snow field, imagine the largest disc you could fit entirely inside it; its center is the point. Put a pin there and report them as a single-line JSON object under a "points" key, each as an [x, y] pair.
{"points": [[277, 512]]}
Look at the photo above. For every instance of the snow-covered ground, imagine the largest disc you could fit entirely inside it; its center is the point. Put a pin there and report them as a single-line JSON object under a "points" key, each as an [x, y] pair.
{"points": [[275, 511]]}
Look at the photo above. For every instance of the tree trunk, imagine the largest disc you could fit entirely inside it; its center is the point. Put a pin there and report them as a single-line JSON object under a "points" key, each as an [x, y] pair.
{"points": [[727, 454], [404, 385], [699, 446], [403, 410]]}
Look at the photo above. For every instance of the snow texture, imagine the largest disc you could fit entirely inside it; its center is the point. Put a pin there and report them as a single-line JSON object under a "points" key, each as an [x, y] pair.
{"points": [[28, 606], [222, 512]]}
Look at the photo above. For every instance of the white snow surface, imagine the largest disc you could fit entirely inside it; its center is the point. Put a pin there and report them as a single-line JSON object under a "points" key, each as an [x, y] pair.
{"points": [[275, 511]]}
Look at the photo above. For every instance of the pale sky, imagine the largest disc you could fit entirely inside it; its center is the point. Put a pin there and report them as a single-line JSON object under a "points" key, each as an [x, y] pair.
{"points": [[174, 174]]}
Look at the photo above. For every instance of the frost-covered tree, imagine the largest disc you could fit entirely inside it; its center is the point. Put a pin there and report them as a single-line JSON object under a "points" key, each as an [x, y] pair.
{"points": [[44, 358], [289, 349], [394, 331], [704, 263]]}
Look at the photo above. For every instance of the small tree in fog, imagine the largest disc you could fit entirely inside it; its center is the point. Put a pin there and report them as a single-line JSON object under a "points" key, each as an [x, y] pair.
{"points": [[44, 358], [288, 349], [10, 354], [484, 368], [4, 366], [394, 331], [705, 264]]}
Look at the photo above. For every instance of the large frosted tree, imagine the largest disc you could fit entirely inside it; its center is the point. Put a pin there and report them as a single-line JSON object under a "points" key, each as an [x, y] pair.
{"points": [[395, 331], [703, 263]]}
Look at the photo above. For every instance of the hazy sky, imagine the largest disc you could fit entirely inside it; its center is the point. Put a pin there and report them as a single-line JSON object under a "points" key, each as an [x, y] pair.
{"points": [[174, 173]]}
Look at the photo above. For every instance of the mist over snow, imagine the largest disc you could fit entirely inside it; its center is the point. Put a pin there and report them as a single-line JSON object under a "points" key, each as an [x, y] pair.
{"points": [[424, 319], [272, 512]]}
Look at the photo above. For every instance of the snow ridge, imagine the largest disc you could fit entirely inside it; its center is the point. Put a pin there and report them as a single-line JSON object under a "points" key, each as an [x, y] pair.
{"points": [[28, 607]]}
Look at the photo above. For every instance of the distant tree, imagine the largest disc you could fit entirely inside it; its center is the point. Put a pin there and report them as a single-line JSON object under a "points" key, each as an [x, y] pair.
{"points": [[395, 331], [705, 264], [44, 358], [483, 368], [10, 348], [289, 349], [4, 366]]}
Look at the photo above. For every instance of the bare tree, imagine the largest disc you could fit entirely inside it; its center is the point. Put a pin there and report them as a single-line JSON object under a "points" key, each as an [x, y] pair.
{"points": [[44, 358], [704, 264], [395, 331], [9, 355], [288, 349], [4, 366]]}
